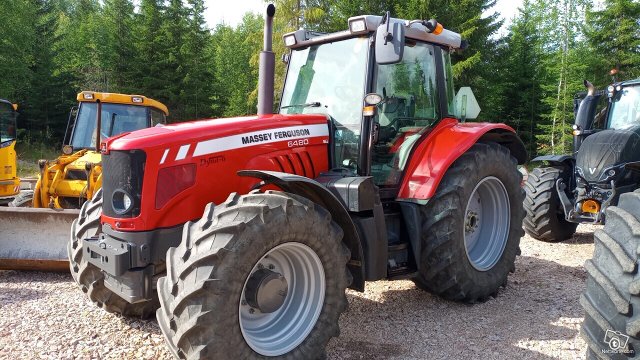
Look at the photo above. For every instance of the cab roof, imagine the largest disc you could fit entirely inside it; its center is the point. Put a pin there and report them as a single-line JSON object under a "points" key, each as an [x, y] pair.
{"points": [[365, 24], [113, 98]]}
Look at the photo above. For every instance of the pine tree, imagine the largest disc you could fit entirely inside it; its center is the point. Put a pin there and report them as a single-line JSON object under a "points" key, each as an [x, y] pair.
{"points": [[119, 20], [521, 74], [614, 34], [172, 35], [196, 85], [151, 49], [44, 107]]}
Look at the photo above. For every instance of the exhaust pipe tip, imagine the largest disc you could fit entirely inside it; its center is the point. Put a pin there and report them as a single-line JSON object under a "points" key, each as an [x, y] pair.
{"points": [[591, 90]]}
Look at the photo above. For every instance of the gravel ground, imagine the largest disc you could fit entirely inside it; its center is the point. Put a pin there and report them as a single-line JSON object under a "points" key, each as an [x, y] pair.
{"points": [[537, 316]]}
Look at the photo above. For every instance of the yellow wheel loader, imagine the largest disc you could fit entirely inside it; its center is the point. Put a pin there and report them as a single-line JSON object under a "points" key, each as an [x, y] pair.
{"points": [[9, 181], [71, 179], [36, 238]]}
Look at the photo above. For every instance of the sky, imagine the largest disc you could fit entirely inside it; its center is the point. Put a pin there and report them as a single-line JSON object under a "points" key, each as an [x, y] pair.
{"points": [[231, 12]]}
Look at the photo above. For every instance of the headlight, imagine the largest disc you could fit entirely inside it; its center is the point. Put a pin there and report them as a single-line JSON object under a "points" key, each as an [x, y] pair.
{"points": [[290, 40], [358, 26], [121, 202]]}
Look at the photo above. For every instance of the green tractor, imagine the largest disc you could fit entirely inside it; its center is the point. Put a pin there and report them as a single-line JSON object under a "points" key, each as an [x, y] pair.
{"points": [[577, 188]]}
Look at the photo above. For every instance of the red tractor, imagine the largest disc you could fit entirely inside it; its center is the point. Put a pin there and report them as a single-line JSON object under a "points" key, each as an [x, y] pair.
{"points": [[244, 233]]}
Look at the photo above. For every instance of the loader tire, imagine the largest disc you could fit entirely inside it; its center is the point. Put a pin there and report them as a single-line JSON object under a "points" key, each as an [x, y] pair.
{"points": [[544, 217], [471, 228], [89, 277], [208, 298], [611, 300]]}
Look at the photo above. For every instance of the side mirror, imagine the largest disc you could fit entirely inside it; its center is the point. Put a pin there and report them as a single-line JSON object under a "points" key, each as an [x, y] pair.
{"points": [[389, 43], [465, 104]]}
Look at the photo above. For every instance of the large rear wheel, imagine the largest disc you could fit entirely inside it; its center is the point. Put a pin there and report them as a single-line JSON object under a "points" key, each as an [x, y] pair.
{"points": [[611, 300], [89, 277], [261, 275], [544, 218], [472, 227]]}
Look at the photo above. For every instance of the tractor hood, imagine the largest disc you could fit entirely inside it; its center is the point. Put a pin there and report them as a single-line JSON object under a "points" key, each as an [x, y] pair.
{"points": [[185, 166], [606, 149], [206, 130]]}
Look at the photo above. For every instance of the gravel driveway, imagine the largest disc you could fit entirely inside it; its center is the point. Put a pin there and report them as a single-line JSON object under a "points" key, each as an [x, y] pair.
{"points": [[537, 316]]}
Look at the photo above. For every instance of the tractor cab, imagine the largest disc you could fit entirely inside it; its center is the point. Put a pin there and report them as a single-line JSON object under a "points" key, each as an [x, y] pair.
{"points": [[624, 108], [9, 182], [406, 82]]}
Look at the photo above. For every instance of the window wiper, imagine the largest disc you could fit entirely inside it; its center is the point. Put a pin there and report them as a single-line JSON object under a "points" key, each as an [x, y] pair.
{"points": [[311, 104]]}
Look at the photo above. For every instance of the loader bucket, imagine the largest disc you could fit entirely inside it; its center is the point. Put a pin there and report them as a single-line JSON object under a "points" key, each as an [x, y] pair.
{"points": [[35, 239]]}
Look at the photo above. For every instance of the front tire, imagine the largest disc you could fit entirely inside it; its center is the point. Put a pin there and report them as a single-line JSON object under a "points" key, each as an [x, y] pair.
{"points": [[471, 228], [88, 276], [544, 218], [212, 302], [611, 300]]}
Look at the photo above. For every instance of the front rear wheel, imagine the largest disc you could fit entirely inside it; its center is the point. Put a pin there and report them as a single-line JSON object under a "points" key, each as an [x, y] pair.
{"points": [[471, 228], [261, 275], [544, 217]]}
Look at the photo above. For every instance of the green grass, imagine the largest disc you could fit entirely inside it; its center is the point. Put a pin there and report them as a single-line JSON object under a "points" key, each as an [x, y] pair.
{"points": [[29, 154]]}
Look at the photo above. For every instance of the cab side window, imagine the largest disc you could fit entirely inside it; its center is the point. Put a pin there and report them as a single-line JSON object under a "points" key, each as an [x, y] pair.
{"points": [[409, 106], [157, 117]]}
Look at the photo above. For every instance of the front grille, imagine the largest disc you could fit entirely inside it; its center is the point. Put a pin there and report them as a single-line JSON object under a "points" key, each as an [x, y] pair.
{"points": [[122, 170], [76, 175]]}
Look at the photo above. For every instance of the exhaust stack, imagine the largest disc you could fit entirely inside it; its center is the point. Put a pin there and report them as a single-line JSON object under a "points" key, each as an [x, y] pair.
{"points": [[267, 66]]}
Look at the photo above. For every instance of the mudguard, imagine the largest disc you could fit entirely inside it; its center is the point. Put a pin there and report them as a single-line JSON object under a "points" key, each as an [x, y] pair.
{"points": [[320, 195], [435, 153], [566, 161]]}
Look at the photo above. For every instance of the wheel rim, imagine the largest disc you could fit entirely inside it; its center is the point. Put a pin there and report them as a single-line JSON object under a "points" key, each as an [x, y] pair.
{"points": [[280, 331], [486, 223]]}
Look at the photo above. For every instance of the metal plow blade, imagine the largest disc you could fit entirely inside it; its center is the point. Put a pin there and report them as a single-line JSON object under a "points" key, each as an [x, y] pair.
{"points": [[35, 239]]}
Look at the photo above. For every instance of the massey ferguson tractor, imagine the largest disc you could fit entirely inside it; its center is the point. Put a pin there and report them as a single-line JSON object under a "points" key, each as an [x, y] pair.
{"points": [[244, 233], [574, 189]]}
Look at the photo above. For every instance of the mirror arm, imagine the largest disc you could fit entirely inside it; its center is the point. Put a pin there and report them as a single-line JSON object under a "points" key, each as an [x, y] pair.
{"points": [[387, 36]]}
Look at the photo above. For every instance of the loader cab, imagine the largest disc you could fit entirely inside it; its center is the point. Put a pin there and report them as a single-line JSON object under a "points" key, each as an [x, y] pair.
{"points": [[9, 181], [115, 113], [406, 66], [8, 117]]}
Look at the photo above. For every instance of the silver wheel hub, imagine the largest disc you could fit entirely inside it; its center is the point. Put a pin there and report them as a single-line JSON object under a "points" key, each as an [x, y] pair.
{"points": [[281, 299], [266, 290], [487, 223]]}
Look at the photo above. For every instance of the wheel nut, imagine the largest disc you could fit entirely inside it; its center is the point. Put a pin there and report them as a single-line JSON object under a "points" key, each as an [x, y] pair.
{"points": [[271, 267], [252, 310]]}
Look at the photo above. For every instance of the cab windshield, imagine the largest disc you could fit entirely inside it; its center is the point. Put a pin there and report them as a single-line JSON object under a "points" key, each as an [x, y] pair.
{"points": [[115, 119], [7, 123], [625, 108], [330, 79]]}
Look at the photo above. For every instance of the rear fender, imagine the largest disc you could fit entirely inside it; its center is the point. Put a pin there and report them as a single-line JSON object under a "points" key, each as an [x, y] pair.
{"points": [[435, 153], [320, 195]]}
